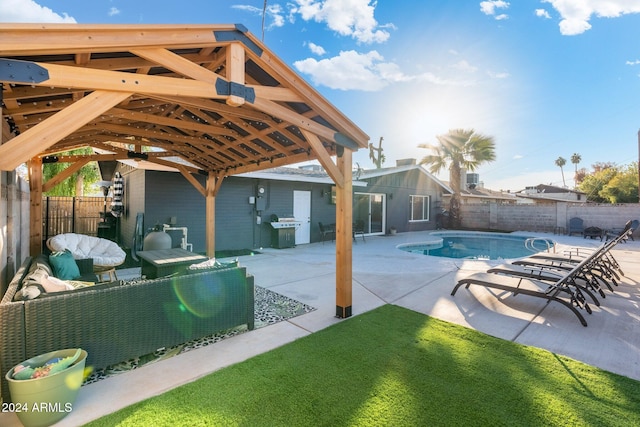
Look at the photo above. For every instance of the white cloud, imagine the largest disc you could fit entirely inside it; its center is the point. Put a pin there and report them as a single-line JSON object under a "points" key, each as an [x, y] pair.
{"points": [[542, 13], [351, 70], [490, 8], [346, 17], [636, 62], [30, 11], [497, 75], [464, 65], [114, 11], [273, 12], [576, 14], [318, 50]]}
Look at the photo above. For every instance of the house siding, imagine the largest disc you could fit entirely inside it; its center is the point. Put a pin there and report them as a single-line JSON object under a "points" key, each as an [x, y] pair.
{"points": [[163, 195], [399, 187]]}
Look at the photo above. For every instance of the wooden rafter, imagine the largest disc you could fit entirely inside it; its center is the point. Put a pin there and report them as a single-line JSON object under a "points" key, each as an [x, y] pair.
{"points": [[200, 99]]}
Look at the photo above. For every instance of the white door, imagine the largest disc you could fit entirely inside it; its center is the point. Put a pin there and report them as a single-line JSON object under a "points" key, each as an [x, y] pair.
{"points": [[302, 214]]}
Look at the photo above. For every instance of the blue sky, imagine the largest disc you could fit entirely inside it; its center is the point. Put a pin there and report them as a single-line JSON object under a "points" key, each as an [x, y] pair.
{"points": [[545, 78]]}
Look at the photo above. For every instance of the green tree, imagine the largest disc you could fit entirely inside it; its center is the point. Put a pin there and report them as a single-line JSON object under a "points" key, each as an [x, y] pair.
{"points": [[458, 149], [76, 183], [560, 162], [623, 187], [595, 181], [609, 183]]}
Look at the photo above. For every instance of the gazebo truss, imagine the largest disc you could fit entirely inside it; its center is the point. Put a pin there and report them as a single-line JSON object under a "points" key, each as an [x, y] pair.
{"points": [[212, 96]]}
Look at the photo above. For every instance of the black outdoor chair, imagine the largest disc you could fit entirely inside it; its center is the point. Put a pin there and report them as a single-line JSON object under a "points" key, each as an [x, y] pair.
{"points": [[576, 225], [358, 229], [327, 230]]}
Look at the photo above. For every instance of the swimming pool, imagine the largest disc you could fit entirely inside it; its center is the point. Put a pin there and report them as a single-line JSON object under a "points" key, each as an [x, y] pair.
{"points": [[478, 245]]}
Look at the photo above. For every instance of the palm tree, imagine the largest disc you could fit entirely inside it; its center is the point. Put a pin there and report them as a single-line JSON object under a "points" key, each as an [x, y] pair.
{"points": [[560, 162], [575, 159], [458, 149]]}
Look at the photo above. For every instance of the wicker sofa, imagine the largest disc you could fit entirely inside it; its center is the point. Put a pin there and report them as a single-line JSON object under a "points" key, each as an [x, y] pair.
{"points": [[118, 321]]}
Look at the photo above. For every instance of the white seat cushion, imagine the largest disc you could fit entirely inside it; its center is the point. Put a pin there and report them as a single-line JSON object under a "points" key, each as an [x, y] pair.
{"points": [[104, 253]]}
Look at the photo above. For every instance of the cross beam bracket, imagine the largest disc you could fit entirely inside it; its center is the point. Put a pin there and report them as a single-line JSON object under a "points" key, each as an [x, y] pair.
{"points": [[27, 72], [224, 87], [238, 35]]}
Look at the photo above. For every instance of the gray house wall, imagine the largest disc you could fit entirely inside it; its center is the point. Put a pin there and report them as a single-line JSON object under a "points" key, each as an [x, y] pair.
{"points": [[163, 195], [399, 187]]}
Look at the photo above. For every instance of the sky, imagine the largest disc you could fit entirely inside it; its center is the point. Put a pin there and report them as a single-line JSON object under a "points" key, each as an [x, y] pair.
{"points": [[544, 78]]}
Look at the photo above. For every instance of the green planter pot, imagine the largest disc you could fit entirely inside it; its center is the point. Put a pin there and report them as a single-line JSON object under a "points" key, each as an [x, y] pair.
{"points": [[45, 401]]}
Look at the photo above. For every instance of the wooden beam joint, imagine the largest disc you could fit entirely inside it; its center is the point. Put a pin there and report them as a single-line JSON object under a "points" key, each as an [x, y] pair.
{"points": [[27, 72], [226, 88]]}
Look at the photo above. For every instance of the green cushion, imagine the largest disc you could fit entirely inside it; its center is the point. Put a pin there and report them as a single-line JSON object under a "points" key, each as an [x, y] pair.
{"points": [[64, 266]]}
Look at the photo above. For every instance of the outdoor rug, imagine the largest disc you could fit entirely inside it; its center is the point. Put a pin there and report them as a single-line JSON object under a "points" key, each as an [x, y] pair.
{"points": [[270, 308]]}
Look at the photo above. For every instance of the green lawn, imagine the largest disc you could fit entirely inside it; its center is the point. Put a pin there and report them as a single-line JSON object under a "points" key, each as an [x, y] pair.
{"points": [[395, 367]]}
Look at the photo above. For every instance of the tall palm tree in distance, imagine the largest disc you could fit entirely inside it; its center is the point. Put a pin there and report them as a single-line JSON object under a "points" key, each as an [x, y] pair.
{"points": [[560, 162], [458, 149], [575, 159]]}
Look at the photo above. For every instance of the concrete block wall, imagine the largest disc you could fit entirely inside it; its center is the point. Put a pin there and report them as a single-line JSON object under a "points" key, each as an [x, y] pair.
{"points": [[548, 217]]}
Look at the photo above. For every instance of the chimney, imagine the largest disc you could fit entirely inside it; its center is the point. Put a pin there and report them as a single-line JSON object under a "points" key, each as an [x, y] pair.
{"points": [[405, 162]]}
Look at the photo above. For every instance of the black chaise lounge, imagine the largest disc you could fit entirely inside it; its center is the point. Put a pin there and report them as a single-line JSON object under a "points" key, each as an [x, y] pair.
{"points": [[561, 291], [603, 266], [566, 281]]}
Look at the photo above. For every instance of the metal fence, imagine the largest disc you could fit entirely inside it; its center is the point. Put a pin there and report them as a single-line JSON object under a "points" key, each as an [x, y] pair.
{"points": [[79, 215]]}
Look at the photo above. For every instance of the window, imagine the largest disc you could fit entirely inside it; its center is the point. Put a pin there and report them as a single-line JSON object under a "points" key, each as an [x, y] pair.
{"points": [[419, 208]]}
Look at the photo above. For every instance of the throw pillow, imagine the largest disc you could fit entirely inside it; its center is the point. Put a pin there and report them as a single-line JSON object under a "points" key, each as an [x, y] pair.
{"points": [[64, 266]]}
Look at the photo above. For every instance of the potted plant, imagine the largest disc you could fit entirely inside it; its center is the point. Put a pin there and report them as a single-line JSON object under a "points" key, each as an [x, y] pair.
{"points": [[44, 388], [393, 230]]}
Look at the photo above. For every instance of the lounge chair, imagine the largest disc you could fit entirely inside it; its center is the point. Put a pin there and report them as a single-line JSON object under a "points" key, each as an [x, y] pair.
{"points": [[583, 279], [602, 263], [576, 225], [612, 234], [562, 291]]}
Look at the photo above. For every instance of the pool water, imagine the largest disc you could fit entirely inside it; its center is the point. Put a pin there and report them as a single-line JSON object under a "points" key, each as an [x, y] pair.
{"points": [[476, 245]]}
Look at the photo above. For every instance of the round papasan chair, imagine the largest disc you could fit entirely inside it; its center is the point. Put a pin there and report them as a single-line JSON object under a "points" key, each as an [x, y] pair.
{"points": [[106, 254]]}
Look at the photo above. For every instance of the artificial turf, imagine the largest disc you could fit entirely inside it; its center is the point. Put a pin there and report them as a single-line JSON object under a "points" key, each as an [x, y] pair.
{"points": [[396, 367]]}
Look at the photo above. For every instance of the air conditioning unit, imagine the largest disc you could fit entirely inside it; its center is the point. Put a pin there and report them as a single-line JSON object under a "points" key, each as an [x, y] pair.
{"points": [[473, 179]]}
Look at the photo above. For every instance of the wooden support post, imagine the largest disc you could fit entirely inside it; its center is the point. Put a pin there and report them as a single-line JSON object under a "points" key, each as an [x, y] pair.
{"points": [[35, 196], [344, 237], [210, 215], [235, 71]]}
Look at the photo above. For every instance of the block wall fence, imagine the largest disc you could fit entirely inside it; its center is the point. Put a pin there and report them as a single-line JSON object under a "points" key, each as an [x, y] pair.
{"points": [[546, 218]]}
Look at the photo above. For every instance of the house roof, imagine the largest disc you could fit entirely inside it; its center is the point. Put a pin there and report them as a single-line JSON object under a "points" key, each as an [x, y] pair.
{"points": [[212, 95], [296, 174], [374, 173], [551, 189], [487, 194]]}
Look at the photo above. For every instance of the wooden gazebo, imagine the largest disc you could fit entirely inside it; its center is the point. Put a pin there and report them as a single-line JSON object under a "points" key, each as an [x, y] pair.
{"points": [[212, 96]]}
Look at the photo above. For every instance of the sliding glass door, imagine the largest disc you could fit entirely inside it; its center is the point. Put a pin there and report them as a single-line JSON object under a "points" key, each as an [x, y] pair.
{"points": [[369, 210]]}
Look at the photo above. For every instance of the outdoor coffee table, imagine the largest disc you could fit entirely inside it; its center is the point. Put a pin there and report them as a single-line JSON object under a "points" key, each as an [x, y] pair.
{"points": [[164, 262]]}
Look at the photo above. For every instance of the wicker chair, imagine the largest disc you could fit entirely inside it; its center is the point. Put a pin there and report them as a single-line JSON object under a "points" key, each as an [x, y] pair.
{"points": [[106, 254]]}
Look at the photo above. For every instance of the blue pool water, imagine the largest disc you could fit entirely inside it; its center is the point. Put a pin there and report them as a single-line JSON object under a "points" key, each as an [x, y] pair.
{"points": [[476, 245]]}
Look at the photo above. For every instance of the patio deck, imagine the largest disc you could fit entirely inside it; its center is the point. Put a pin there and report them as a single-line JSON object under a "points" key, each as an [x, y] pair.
{"points": [[383, 274]]}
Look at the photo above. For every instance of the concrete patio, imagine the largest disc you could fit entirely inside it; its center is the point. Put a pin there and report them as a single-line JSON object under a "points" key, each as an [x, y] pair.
{"points": [[383, 274]]}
